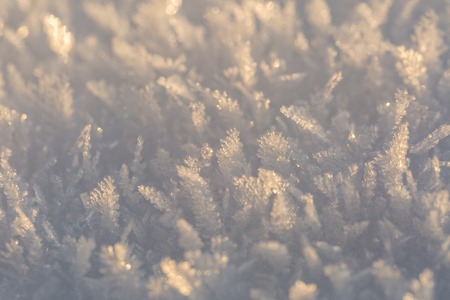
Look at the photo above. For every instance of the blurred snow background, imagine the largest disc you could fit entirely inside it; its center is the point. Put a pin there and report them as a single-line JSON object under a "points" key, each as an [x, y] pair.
{"points": [[207, 149]]}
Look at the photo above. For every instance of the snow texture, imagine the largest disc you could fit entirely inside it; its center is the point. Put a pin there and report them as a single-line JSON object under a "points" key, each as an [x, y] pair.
{"points": [[238, 149]]}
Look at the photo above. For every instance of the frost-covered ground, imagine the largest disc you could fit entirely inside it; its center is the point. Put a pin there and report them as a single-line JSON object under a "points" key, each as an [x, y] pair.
{"points": [[207, 149]]}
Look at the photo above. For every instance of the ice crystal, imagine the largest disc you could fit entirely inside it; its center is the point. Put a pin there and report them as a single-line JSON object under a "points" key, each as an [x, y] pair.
{"points": [[429, 38], [411, 68], [275, 152], [59, 37], [121, 270], [104, 200], [431, 140], [302, 291], [180, 276], [199, 118], [231, 158], [189, 239], [83, 253], [304, 120], [200, 198], [394, 163], [274, 253]]}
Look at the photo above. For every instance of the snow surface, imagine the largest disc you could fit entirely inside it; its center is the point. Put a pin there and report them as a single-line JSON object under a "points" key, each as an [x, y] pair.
{"points": [[238, 149]]}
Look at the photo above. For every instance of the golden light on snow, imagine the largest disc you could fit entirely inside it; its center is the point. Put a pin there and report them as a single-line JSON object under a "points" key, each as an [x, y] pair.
{"points": [[302, 290], [177, 275], [235, 149], [172, 6], [60, 39], [23, 31]]}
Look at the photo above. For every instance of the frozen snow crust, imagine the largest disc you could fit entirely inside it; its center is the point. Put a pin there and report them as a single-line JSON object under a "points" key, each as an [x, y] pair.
{"points": [[206, 149]]}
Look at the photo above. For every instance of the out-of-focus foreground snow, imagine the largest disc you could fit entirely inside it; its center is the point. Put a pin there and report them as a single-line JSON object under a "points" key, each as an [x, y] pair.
{"points": [[207, 149]]}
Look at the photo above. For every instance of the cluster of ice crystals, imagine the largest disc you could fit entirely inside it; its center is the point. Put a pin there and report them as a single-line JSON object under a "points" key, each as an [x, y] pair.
{"points": [[239, 149]]}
